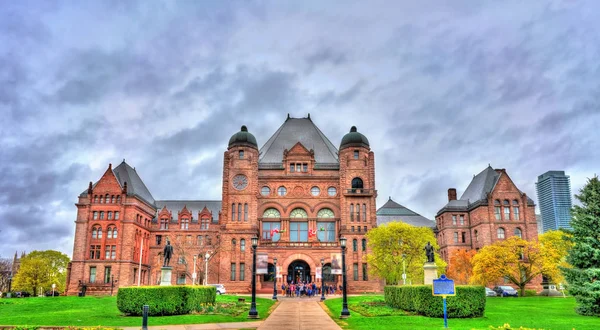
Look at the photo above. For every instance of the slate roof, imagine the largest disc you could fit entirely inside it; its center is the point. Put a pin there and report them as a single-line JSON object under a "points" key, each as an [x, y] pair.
{"points": [[135, 185], [301, 130], [194, 206], [392, 212]]}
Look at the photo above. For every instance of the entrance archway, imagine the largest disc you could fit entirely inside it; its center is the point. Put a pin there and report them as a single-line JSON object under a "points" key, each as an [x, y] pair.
{"points": [[299, 271]]}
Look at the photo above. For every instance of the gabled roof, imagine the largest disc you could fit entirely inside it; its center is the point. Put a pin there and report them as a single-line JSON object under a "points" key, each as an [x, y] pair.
{"points": [[301, 130], [481, 185], [392, 211], [194, 206], [135, 185]]}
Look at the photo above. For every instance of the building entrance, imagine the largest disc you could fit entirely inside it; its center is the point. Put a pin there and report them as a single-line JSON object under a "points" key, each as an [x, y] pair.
{"points": [[298, 271]]}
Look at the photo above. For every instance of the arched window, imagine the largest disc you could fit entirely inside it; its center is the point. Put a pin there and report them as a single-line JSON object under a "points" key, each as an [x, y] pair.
{"points": [[497, 202], [110, 215], [354, 245], [501, 233], [114, 232], [109, 232], [233, 244], [116, 215], [364, 212], [357, 212], [245, 211], [112, 199], [351, 212], [271, 213], [515, 202], [476, 235], [95, 232], [298, 213], [239, 216], [364, 244], [357, 183], [118, 199], [325, 213], [107, 199], [101, 215], [95, 198], [518, 233], [506, 202], [95, 215], [233, 212], [242, 245]]}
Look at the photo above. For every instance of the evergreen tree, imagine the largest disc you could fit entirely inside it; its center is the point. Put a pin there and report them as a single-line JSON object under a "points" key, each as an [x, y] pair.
{"points": [[584, 277]]}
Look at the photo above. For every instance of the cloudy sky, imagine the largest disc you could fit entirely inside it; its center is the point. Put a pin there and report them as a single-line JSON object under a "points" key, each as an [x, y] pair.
{"points": [[441, 91]]}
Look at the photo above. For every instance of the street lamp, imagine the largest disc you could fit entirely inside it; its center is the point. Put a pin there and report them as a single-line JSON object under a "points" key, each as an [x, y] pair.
{"points": [[345, 311], [275, 280], [253, 313], [400, 242], [53, 287], [206, 257], [194, 275], [322, 280]]}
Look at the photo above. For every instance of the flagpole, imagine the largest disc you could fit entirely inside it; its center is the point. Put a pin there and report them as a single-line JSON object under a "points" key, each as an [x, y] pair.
{"points": [[140, 269]]}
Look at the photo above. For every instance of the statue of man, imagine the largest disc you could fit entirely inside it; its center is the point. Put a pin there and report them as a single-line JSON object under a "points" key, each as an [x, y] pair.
{"points": [[429, 252], [167, 252]]}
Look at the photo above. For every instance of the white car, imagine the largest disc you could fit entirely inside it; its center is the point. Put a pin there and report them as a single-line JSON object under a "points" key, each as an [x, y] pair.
{"points": [[220, 288]]}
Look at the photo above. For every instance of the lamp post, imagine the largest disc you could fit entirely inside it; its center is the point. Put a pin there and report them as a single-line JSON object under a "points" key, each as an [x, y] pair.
{"points": [[9, 294], [322, 280], [194, 275], [400, 242], [253, 313], [275, 280], [53, 287], [206, 257], [345, 311]]}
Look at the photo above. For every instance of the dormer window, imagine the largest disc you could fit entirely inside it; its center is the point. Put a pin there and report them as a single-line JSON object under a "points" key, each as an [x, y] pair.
{"points": [[241, 154], [356, 153]]}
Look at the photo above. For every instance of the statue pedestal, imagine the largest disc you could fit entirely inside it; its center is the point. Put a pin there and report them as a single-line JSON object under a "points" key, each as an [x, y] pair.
{"points": [[165, 275], [430, 272]]}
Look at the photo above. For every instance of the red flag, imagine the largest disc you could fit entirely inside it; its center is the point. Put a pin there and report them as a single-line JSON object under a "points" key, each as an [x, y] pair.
{"points": [[274, 231]]}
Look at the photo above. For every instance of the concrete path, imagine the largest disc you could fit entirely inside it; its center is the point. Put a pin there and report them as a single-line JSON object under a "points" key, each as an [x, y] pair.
{"points": [[299, 314]]}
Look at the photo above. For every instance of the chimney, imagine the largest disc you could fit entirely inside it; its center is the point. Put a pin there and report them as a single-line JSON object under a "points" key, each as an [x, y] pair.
{"points": [[451, 194]]}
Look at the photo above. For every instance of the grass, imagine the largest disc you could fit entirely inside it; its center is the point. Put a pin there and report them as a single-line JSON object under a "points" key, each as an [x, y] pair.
{"points": [[102, 311], [528, 312]]}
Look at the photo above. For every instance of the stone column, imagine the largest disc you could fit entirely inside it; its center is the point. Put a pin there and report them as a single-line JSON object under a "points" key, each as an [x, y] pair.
{"points": [[165, 276], [430, 272]]}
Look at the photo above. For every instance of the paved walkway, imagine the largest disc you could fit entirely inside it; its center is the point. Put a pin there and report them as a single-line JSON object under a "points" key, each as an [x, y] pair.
{"points": [[299, 314]]}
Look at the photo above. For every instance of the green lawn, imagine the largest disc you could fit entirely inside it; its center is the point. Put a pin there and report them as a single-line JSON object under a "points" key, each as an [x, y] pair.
{"points": [[531, 312], [102, 311]]}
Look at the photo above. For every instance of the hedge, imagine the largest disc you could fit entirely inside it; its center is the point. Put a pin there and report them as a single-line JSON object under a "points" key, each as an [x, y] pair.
{"points": [[164, 300], [468, 302]]}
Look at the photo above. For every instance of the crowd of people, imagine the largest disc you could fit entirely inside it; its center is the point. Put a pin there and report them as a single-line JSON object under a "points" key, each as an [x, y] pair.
{"points": [[302, 289]]}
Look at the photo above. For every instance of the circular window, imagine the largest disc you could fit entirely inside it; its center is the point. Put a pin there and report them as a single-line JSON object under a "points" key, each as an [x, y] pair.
{"points": [[281, 191], [315, 191], [265, 191], [331, 191]]}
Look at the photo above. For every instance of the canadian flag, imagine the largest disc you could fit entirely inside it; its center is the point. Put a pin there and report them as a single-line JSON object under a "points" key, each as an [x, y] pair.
{"points": [[274, 231], [312, 233]]}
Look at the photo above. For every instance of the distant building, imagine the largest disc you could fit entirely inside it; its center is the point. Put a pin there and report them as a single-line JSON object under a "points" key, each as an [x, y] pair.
{"points": [[538, 220], [554, 198], [394, 212], [491, 209]]}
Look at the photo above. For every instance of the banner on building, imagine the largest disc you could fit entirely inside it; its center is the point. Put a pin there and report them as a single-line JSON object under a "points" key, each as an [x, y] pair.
{"points": [[318, 273], [278, 271], [262, 263], [336, 263]]}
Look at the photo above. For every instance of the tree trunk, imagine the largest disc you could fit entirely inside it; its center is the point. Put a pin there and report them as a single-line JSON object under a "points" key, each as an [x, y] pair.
{"points": [[522, 287]]}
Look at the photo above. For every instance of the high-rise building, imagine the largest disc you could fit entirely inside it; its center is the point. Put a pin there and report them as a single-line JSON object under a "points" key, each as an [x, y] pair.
{"points": [[554, 197]]}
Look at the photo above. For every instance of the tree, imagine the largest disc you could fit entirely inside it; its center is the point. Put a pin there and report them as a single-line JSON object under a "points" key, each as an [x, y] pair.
{"points": [[5, 272], [41, 269], [556, 244], [460, 266], [391, 242], [584, 277], [515, 259]]}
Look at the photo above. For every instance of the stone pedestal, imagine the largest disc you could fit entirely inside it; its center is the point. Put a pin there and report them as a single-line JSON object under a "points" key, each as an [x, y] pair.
{"points": [[165, 275], [430, 272]]}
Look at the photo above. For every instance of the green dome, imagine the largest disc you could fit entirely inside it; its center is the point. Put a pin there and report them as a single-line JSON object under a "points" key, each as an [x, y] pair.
{"points": [[354, 139], [243, 138]]}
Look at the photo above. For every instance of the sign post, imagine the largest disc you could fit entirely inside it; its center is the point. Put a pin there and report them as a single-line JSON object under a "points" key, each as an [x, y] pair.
{"points": [[444, 287]]}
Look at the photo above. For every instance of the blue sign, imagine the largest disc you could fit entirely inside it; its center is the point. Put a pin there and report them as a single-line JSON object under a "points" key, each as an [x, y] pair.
{"points": [[443, 287]]}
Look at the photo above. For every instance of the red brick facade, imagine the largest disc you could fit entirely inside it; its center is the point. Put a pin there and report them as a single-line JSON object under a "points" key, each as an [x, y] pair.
{"points": [[317, 199]]}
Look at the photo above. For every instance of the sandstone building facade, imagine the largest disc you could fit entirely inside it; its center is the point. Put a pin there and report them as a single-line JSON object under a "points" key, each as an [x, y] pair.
{"points": [[492, 208], [298, 193]]}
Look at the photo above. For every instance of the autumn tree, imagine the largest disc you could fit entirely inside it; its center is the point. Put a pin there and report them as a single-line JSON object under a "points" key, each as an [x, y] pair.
{"points": [[556, 244], [394, 242], [41, 269], [515, 259], [460, 266], [584, 276]]}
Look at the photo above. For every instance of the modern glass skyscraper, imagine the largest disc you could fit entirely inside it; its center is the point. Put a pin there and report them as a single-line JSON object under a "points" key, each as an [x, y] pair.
{"points": [[554, 197]]}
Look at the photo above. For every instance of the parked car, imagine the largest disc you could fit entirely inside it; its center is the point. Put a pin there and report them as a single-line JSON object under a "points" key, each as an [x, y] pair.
{"points": [[22, 294], [220, 288], [505, 291], [490, 293], [49, 293]]}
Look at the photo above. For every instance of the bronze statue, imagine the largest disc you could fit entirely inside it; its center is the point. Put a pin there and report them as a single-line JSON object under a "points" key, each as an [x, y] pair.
{"points": [[167, 252], [429, 252]]}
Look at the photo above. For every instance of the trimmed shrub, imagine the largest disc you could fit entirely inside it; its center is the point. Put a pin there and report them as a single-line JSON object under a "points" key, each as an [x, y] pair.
{"points": [[468, 302], [164, 300], [530, 293]]}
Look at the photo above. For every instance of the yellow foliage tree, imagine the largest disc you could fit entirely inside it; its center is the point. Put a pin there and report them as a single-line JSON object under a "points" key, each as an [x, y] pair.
{"points": [[460, 266], [41, 269], [557, 244], [394, 242], [516, 259]]}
